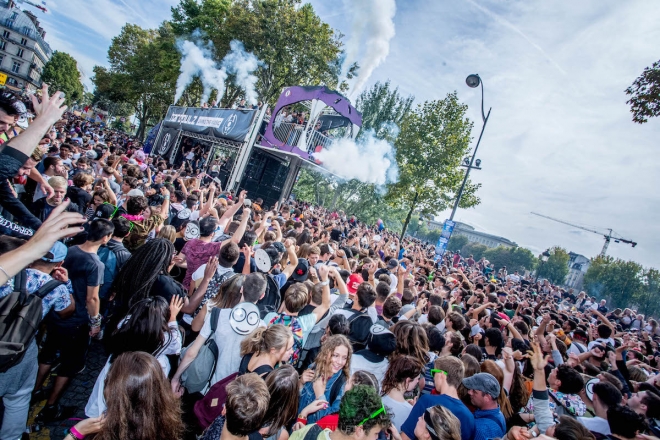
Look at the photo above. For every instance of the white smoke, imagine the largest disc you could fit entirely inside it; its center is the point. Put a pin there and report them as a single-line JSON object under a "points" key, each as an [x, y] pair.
{"points": [[197, 60], [369, 160], [373, 20], [243, 64]]}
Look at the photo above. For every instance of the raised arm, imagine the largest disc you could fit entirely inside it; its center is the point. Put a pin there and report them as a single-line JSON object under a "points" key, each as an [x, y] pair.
{"points": [[292, 257], [324, 272]]}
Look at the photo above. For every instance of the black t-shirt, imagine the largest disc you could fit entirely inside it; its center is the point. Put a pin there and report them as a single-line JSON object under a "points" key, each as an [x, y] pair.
{"points": [[238, 267], [85, 269], [167, 287], [309, 308]]}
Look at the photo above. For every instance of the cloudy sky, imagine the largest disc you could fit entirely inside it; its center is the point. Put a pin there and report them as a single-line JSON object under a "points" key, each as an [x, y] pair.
{"points": [[560, 140]]}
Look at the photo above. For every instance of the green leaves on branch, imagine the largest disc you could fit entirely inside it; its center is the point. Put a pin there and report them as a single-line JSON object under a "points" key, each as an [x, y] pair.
{"points": [[556, 268], [624, 284], [61, 73], [645, 94]]}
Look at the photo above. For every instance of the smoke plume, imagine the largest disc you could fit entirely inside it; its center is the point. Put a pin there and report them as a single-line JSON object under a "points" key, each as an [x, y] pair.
{"points": [[197, 60], [369, 160], [373, 20], [243, 64]]}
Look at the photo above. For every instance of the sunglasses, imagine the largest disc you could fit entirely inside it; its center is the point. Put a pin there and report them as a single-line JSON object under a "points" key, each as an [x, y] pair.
{"points": [[373, 415], [434, 371]]}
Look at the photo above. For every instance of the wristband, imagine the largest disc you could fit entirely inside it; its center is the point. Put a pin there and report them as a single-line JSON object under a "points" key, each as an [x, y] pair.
{"points": [[74, 432], [95, 321], [324, 283], [167, 197]]}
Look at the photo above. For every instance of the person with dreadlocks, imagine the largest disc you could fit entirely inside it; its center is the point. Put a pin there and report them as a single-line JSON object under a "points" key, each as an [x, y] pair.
{"points": [[145, 274]]}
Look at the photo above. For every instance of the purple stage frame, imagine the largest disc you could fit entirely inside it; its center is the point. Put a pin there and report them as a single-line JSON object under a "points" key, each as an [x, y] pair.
{"points": [[292, 95]]}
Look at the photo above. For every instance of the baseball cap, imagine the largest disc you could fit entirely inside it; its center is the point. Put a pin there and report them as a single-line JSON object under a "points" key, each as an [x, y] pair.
{"points": [[353, 282], [105, 210], [279, 246], [135, 193], [56, 254], [392, 263], [484, 382], [300, 274], [381, 343]]}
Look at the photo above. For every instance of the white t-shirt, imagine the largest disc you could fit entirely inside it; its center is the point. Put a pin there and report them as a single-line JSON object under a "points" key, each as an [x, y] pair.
{"points": [[358, 362], [228, 342], [596, 424], [399, 411]]}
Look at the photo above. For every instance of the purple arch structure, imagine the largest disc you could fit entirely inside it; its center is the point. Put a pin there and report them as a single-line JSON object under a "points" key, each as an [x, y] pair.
{"points": [[292, 95]]}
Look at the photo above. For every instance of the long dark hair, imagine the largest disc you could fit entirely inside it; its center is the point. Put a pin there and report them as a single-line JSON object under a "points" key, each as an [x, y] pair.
{"points": [[144, 329], [284, 394], [229, 293], [141, 405], [137, 276], [401, 368]]}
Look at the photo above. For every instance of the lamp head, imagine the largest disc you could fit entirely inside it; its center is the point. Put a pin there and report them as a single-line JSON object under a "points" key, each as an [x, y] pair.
{"points": [[473, 80], [477, 163]]}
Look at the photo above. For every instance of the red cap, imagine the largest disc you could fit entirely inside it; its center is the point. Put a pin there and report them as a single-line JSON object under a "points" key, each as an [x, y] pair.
{"points": [[353, 282]]}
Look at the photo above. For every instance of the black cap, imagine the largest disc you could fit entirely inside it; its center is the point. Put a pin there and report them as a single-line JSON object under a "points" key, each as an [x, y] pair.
{"points": [[300, 274]]}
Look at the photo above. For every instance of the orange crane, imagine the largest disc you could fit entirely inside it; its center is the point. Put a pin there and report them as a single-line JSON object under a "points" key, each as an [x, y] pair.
{"points": [[608, 237]]}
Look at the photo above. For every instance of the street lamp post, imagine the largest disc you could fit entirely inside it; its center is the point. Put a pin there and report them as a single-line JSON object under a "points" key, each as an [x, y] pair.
{"points": [[472, 81], [543, 257]]}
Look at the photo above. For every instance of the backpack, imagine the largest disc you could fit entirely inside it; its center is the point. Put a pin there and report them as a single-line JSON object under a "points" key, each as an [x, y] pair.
{"points": [[208, 408], [272, 298], [20, 316], [292, 323], [198, 375], [109, 259], [360, 328]]}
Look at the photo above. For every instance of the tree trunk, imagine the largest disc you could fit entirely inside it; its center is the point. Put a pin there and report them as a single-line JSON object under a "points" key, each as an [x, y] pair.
{"points": [[405, 224]]}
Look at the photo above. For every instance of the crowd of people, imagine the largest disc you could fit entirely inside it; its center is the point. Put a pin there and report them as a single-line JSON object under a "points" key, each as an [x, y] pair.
{"points": [[225, 318]]}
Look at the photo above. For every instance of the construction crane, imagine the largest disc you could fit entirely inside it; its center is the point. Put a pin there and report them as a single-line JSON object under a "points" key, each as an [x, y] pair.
{"points": [[608, 237], [41, 7]]}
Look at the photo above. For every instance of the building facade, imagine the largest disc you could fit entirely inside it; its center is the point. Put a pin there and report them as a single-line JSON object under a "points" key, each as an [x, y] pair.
{"points": [[23, 50], [577, 267], [474, 236]]}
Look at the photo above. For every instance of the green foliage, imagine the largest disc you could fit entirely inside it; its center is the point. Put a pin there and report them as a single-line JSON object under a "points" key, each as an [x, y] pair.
{"points": [[457, 242], [645, 94], [617, 280], [61, 73], [477, 250], [513, 258], [382, 110], [141, 74], [556, 268], [296, 46], [433, 140]]}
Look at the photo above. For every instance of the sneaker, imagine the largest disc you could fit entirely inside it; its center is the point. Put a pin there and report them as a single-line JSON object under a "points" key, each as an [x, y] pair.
{"points": [[54, 413]]}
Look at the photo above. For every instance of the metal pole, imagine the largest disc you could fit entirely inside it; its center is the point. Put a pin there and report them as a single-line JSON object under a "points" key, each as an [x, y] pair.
{"points": [[467, 173]]}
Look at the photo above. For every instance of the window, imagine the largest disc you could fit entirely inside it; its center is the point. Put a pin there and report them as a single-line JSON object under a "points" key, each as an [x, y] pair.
{"points": [[6, 34], [13, 16], [16, 67], [3, 45], [24, 41], [20, 53], [12, 82], [1, 58]]}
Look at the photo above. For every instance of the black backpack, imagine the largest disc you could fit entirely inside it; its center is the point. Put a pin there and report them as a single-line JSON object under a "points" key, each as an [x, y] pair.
{"points": [[272, 298], [360, 324], [20, 316]]}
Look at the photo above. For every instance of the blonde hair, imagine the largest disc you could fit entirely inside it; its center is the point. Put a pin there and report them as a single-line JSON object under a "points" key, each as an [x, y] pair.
{"points": [[263, 339], [58, 182], [324, 358], [168, 233]]}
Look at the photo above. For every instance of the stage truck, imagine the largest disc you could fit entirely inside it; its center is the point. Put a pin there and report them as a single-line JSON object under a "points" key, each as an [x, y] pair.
{"points": [[244, 149]]}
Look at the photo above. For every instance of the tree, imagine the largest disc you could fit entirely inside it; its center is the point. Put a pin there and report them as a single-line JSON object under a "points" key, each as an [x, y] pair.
{"points": [[61, 73], [513, 258], [142, 72], [382, 110], [648, 298], [296, 46], [620, 282], [556, 268], [477, 250], [645, 94], [431, 145], [457, 242]]}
